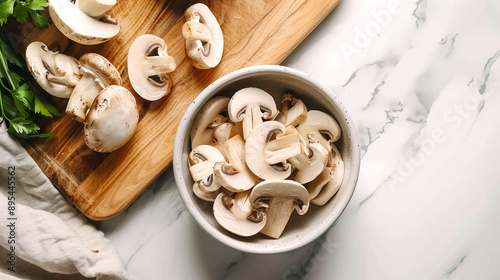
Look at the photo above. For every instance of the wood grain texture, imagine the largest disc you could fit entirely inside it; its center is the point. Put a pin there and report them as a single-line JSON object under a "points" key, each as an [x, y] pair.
{"points": [[102, 185]]}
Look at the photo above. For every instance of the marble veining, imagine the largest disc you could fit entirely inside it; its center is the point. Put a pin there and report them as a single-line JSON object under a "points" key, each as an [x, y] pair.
{"points": [[421, 80]]}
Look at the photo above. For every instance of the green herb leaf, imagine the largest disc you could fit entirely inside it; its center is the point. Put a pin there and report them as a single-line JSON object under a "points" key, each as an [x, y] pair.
{"points": [[6, 9], [18, 104], [23, 126], [45, 108]]}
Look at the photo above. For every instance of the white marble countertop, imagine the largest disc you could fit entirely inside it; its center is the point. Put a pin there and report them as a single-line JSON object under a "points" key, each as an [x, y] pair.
{"points": [[421, 80]]}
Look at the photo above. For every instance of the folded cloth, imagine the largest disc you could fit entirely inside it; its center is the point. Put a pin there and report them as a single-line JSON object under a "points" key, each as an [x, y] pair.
{"points": [[42, 234]]}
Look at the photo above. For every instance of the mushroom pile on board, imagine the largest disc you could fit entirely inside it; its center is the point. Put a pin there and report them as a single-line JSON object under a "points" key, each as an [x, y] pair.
{"points": [[95, 96], [258, 164], [92, 84]]}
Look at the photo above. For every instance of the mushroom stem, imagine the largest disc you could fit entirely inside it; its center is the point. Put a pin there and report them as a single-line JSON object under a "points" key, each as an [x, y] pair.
{"points": [[278, 214], [156, 65], [83, 96], [70, 81], [252, 119], [192, 30]]}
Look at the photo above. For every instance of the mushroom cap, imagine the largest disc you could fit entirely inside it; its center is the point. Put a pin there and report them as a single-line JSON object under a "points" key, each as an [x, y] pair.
{"points": [[235, 219], [201, 164], [234, 175], [281, 190], [336, 172], [209, 117], [250, 106], [42, 62], [254, 152], [279, 198], [251, 96], [148, 87], [317, 124], [308, 167], [112, 119], [95, 8], [102, 68], [196, 50], [78, 26]]}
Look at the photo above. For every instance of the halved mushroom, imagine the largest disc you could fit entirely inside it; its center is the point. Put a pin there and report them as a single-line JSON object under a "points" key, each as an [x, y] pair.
{"points": [[234, 174], [279, 198], [201, 163], [254, 152], [112, 120], [98, 73], [251, 106], [56, 73], [204, 38], [294, 110], [327, 184], [95, 8], [309, 164], [211, 115], [79, 26], [320, 127], [237, 215], [283, 146], [148, 65]]}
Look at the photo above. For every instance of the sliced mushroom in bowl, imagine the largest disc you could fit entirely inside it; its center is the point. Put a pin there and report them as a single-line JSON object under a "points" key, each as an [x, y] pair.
{"points": [[272, 140]]}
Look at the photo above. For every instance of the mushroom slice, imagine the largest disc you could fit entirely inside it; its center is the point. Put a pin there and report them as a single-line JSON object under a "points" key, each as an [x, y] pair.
{"points": [[329, 181], [201, 164], [203, 36], [98, 73], [237, 215], [254, 152], [319, 127], [250, 106], [279, 198], [56, 73], [310, 163], [148, 64], [283, 147], [112, 120], [294, 110], [211, 115], [95, 8], [234, 175], [79, 26]]}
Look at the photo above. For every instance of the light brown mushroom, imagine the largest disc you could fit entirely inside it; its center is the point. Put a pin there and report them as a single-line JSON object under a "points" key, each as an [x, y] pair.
{"points": [[98, 73], [279, 198], [203, 36], [112, 120]]}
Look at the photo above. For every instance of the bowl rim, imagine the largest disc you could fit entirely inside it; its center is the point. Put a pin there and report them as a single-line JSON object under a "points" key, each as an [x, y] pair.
{"points": [[184, 125]]}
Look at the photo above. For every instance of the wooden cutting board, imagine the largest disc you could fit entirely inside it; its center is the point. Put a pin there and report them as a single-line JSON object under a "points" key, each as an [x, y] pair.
{"points": [[102, 185]]}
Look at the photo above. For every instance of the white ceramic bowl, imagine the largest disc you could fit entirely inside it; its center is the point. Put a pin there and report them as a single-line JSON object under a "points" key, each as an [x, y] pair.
{"points": [[276, 80]]}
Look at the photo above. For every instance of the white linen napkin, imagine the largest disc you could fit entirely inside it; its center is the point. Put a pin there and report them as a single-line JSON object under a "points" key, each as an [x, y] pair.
{"points": [[42, 235]]}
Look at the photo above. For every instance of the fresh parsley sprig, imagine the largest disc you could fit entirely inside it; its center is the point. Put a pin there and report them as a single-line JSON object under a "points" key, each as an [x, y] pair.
{"points": [[18, 104], [22, 10]]}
